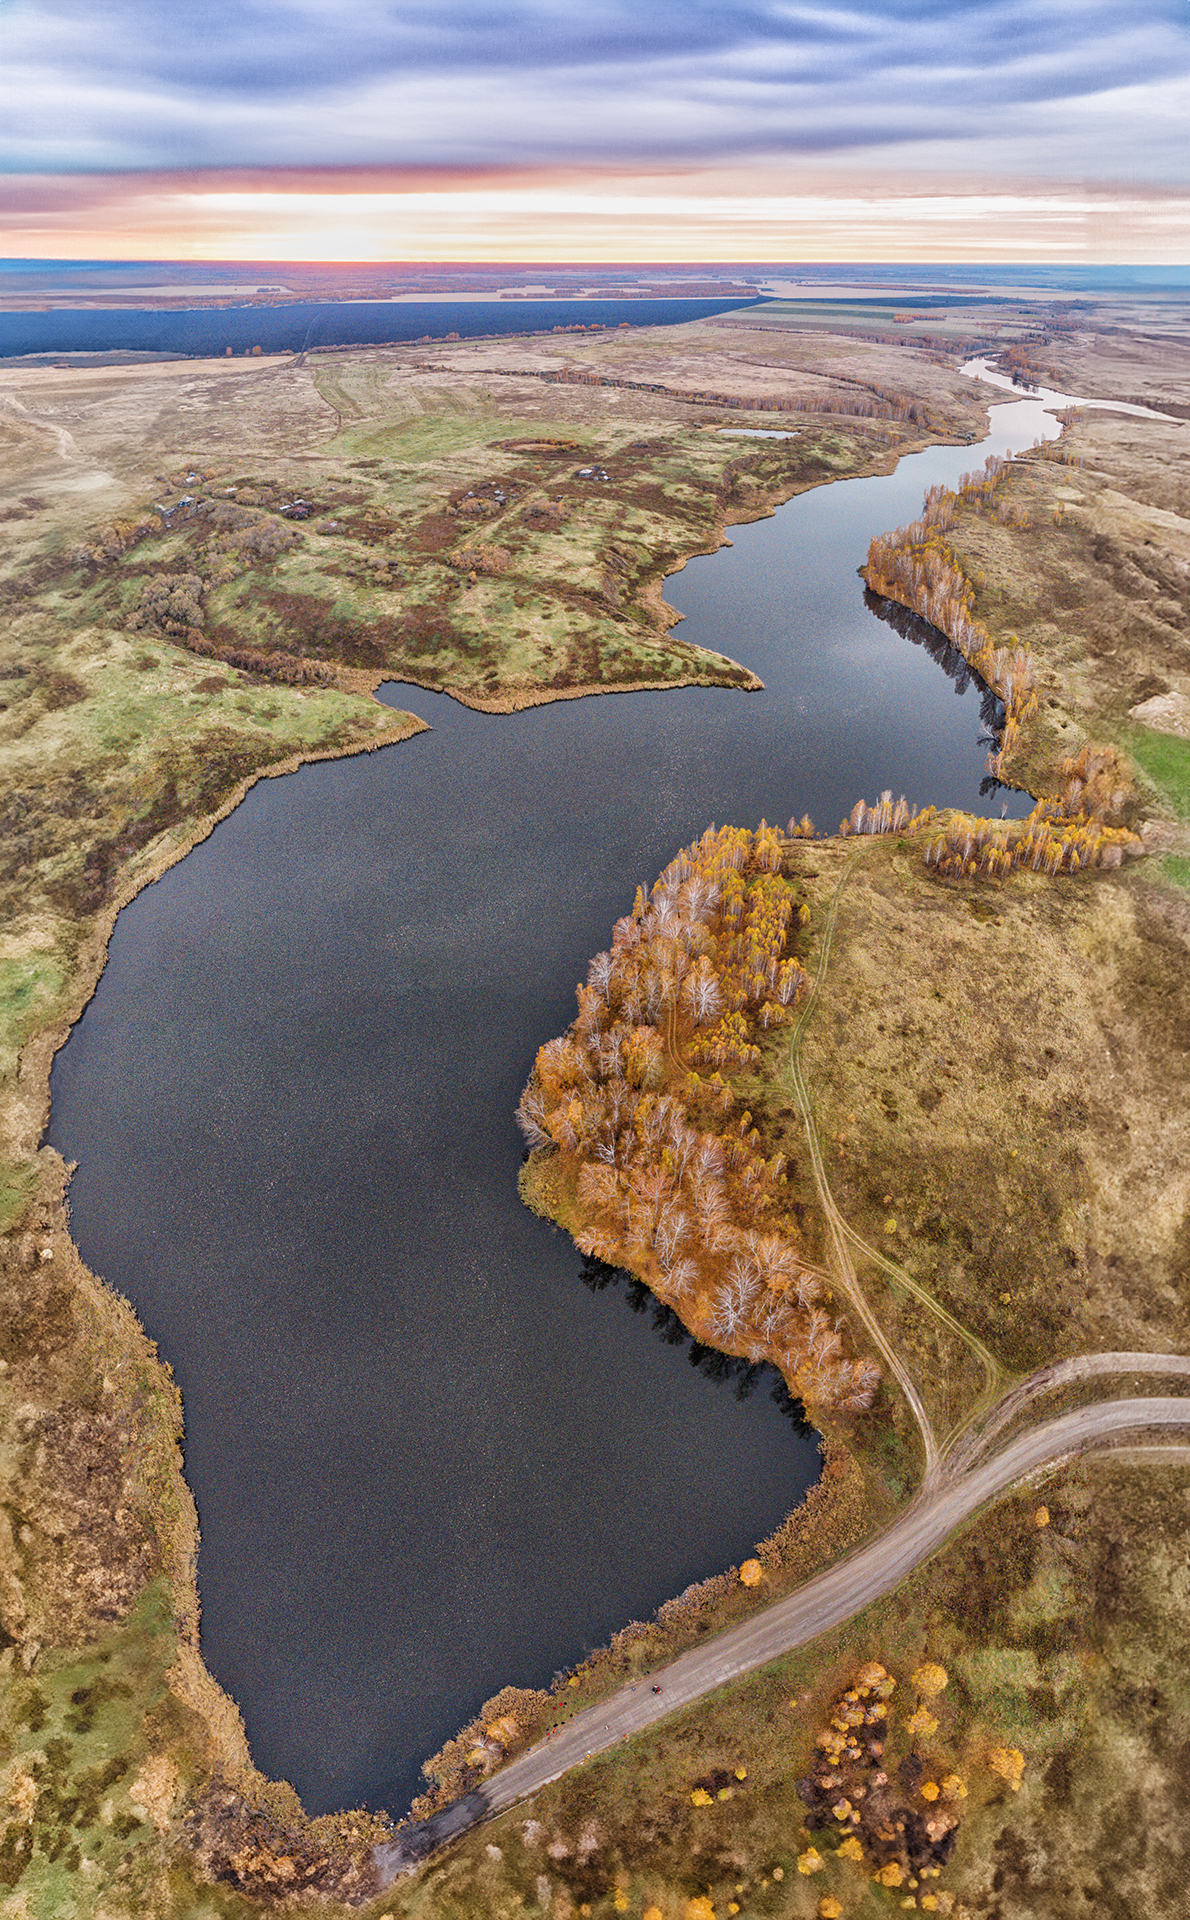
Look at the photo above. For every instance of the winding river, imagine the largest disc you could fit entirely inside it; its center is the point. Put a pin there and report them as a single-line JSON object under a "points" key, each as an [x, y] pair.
{"points": [[428, 1461]]}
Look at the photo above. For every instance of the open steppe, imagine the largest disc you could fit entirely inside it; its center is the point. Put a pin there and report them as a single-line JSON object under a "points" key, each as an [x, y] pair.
{"points": [[208, 566]]}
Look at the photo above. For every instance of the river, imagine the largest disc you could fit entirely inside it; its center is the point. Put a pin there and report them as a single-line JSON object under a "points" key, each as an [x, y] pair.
{"points": [[428, 1461]]}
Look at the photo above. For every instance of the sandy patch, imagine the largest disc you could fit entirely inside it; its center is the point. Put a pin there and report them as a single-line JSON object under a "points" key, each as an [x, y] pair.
{"points": [[1165, 712]]}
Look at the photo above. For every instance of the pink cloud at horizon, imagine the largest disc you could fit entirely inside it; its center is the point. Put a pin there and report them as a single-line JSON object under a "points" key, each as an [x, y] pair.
{"points": [[724, 213]]}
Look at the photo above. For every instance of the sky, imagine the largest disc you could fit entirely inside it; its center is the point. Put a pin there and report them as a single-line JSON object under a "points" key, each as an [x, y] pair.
{"points": [[547, 129]]}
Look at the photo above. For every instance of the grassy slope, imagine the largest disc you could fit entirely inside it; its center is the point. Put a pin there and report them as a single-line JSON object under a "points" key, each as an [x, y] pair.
{"points": [[1063, 1640], [1165, 759], [118, 747], [1094, 584], [999, 1077], [447, 531], [118, 752]]}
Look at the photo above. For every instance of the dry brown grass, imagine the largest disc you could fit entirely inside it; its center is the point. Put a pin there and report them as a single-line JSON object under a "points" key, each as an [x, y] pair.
{"points": [[999, 1071], [1063, 1641], [446, 531], [1095, 584]]}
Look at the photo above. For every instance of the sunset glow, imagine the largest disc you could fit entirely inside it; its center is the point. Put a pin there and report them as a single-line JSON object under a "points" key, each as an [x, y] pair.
{"points": [[724, 214], [387, 129]]}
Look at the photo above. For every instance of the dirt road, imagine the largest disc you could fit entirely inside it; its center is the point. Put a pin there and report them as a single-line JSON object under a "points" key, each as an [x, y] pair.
{"points": [[834, 1596], [977, 1437], [960, 1476]]}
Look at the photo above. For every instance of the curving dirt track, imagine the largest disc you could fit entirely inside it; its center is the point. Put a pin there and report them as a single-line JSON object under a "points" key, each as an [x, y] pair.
{"points": [[975, 1439], [832, 1597], [959, 1479], [840, 1237]]}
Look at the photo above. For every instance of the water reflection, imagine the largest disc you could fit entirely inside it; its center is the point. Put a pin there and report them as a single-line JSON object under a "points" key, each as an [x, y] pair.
{"points": [[957, 668], [291, 1099], [726, 1369], [954, 665]]}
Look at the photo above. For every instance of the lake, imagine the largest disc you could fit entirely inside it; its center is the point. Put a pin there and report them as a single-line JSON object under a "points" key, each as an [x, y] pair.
{"points": [[301, 324], [428, 1460]]}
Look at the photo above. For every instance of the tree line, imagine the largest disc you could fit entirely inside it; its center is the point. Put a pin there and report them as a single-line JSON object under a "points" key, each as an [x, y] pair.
{"points": [[1063, 834], [918, 568], [670, 1178]]}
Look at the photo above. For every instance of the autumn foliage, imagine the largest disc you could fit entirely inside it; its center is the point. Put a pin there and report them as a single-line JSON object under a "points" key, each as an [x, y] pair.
{"points": [[1009, 1764], [1024, 365], [918, 567], [669, 1179], [899, 1819], [885, 817], [1050, 841], [505, 1724]]}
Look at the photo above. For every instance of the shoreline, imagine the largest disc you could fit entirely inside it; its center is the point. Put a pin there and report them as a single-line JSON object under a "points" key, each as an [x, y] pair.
{"points": [[36, 1057], [138, 1387], [179, 1536], [195, 1684], [519, 699]]}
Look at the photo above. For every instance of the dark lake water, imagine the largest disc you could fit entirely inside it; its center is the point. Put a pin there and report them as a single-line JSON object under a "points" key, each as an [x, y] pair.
{"points": [[318, 323], [428, 1460]]}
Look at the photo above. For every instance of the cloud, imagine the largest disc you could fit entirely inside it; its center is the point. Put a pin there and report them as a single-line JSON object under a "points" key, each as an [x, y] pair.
{"points": [[1098, 87], [744, 213]]}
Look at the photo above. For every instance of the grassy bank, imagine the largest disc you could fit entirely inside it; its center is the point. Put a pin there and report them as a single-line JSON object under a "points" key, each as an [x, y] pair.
{"points": [[1061, 1640], [996, 1071]]}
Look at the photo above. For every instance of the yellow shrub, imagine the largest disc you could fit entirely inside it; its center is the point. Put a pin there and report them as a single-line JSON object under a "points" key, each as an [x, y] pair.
{"points": [[930, 1679], [1009, 1763]]}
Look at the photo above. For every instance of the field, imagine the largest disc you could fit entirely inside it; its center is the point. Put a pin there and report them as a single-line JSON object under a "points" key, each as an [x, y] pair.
{"points": [[486, 523], [997, 1073], [208, 568], [1061, 1634]]}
